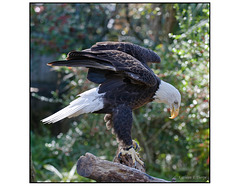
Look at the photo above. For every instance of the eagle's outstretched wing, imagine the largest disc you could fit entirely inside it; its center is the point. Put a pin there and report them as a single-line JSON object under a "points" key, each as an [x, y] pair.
{"points": [[104, 63]]}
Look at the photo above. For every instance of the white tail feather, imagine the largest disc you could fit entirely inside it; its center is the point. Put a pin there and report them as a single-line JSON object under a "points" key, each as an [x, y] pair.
{"points": [[89, 101]]}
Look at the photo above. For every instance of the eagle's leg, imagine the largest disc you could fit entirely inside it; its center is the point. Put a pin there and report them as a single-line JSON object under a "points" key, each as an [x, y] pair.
{"points": [[136, 146], [109, 122], [122, 120]]}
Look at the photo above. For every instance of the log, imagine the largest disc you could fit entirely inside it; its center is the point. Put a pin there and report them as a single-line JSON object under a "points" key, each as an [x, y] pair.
{"points": [[92, 167]]}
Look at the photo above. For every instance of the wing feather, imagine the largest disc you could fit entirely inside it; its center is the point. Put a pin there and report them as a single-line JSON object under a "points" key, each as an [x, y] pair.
{"points": [[112, 60], [126, 59], [144, 55]]}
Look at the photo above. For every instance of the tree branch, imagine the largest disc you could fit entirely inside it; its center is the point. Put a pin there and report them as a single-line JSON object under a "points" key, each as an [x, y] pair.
{"points": [[92, 167]]}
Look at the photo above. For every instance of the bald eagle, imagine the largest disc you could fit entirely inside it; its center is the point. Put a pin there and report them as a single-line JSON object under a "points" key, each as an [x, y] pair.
{"points": [[125, 83]]}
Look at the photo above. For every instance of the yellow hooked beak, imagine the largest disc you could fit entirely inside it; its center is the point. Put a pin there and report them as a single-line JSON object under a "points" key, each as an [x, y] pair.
{"points": [[174, 113]]}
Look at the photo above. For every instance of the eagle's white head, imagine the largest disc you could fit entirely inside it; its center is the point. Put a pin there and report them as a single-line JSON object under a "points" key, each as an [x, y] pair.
{"points": [[169, 95]]}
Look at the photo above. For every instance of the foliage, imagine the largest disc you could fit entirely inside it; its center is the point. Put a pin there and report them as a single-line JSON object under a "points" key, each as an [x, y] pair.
{"points": [[57, 27], [186, 140], [179, 33]]}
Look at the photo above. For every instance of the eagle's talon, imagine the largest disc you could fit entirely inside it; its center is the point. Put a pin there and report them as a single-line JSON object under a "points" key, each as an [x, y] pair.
{"points": [[119, 157], [131, 151]]}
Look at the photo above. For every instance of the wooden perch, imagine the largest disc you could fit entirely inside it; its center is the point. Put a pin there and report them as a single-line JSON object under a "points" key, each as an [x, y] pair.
{"points": [[92, 167]]}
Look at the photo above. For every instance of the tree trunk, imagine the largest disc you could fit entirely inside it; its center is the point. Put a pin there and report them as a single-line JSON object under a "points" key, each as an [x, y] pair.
{"points": [[92, 167]]}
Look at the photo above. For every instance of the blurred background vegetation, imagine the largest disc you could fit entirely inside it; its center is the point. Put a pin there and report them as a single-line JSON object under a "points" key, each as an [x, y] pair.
{"points": [[178, 33]]}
